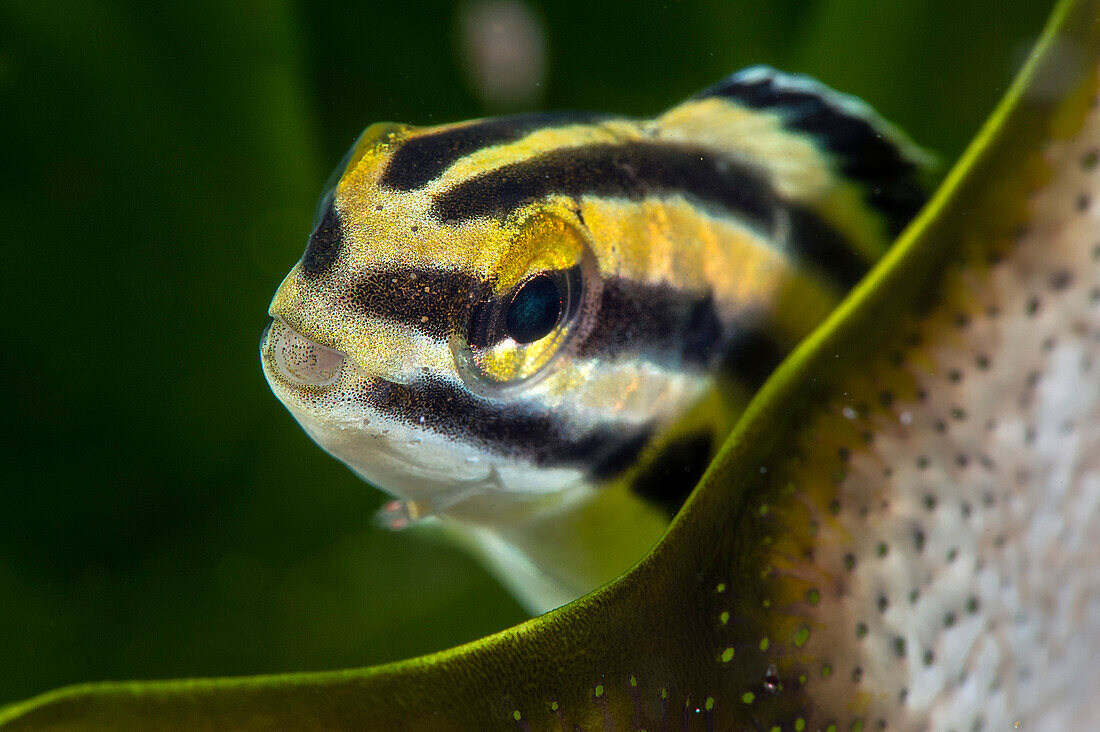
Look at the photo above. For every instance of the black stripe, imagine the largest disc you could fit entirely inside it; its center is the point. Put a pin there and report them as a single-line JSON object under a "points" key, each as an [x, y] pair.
{"points": [[625, 446], [421, 159], [633, 170], [669, 477], [867, 155], [660, 324], [657, 323], [636, 170], [429, 301], [511, 429], [324, 245], [817, 243], [751, 356], [653, 322]]}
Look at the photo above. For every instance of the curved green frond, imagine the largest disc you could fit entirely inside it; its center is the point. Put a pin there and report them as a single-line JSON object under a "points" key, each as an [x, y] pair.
{"points": [[895, 534]]}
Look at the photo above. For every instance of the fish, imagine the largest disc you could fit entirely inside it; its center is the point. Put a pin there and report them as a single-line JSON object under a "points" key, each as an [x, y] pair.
{"points": [[535, 331]]}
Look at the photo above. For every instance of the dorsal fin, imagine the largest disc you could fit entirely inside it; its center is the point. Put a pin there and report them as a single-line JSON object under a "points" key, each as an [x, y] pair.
{"points": [[868, 150]]}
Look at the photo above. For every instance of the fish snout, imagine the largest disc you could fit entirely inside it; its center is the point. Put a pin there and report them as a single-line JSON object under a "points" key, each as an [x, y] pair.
{"points": [[297, 359]]}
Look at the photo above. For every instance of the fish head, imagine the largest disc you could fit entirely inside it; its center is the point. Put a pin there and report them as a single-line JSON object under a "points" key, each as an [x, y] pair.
{"points": [[446, 361]]}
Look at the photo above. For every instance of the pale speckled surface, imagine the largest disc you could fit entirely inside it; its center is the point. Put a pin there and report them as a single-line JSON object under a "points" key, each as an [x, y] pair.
{"points": [[978, 575]]}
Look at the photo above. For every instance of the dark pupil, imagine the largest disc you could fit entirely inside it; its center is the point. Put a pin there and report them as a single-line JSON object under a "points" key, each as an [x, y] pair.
{"points": [[534, 310]]}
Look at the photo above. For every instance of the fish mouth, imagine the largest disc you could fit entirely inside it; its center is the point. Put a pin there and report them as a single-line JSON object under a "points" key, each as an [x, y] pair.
{"points": [[297, 361], [323, 389]]}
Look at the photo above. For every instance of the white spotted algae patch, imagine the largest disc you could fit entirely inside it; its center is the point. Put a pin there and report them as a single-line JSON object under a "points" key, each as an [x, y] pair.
{"points": [[900, 533]]}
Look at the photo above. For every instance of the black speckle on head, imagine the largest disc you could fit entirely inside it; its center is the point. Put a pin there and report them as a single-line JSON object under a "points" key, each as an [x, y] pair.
{"points": [[429, 301], [324, 245], [668, 479]]}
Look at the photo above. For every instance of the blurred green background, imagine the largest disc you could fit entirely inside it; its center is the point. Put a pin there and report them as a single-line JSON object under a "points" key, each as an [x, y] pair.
{"points": [[162, 515]]}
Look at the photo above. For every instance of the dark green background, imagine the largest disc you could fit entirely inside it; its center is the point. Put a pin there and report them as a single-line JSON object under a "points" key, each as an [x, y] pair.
{"points": [[162, 515]]}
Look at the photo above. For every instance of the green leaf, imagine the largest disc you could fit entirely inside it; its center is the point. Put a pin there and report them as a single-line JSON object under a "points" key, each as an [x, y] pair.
{"points": [[897, 532]]}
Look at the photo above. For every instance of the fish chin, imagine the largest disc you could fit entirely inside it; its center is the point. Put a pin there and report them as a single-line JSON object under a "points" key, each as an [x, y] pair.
{"points": [[433, 477], [409, 465]]}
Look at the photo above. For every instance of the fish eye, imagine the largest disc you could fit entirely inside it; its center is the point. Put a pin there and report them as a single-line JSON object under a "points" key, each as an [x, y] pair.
{"points": [[515, 337], [534, 311], [529, 314]]}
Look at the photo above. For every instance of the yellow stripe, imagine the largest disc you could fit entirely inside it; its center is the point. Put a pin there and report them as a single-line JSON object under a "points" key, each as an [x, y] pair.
{"points": [[798, 168], [537, 143]]}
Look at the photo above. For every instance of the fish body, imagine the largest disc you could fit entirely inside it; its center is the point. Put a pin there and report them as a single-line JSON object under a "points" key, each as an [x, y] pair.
{"points": [[538, 329]]}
